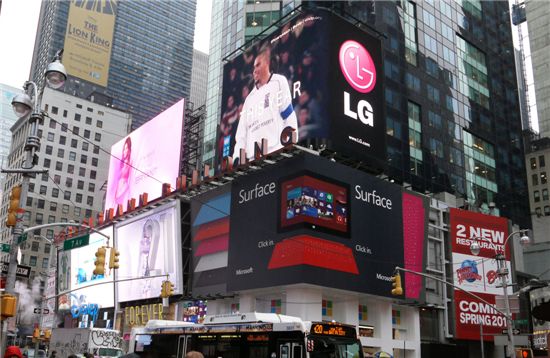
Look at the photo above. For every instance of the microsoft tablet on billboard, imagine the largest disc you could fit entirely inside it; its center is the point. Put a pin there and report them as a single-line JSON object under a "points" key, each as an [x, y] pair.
{"points": [[146, 158], [149, 245], [317, 77]]}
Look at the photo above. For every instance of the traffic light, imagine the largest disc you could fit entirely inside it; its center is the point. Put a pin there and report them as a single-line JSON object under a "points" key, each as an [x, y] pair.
{"points": [[113, 258], [13, 206], [36, 333], [100, 261], [8, 306], [47, 333], [397, 290], [524, 353], [167, 289]]}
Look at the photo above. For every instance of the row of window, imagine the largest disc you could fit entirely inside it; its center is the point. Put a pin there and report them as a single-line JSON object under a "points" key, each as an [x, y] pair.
{"points": [[66, 195], [533, 162], [72, 157], [537, 196], [33, 260], [535, 178]]}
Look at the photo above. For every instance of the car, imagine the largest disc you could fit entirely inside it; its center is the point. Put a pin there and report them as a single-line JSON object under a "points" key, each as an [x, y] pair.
{"points": [[29, 353]]}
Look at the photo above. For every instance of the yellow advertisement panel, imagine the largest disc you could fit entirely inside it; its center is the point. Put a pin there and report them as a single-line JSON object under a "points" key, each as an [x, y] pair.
{"points": [[89, 39]]}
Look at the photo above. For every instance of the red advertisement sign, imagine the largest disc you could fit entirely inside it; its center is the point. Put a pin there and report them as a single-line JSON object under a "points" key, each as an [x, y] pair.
{"points": [[490, 232], [472, 312]]}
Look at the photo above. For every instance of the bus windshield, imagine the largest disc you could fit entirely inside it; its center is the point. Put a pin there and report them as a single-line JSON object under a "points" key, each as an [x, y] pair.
{"points": [[331, 347]]}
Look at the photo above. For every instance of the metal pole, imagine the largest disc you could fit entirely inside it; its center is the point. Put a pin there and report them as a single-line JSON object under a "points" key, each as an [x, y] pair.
{"points": [[115, 285], [481, 339], [502, 273], [31, 147], [45, 280]]}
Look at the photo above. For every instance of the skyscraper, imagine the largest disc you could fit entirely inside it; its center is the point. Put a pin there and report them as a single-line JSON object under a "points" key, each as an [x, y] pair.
{"points": [[452, 110], [135, 56], [7, 119]]}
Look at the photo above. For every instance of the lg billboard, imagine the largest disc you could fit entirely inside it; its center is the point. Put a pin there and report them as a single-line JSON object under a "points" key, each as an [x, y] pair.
{"points": [[317, 77], [149, 245], [309, 220], [477, 274], [146, 158]]}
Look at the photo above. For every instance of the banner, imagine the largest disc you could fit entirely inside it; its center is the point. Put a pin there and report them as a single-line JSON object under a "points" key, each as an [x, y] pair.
{"points": [[89, 40]]}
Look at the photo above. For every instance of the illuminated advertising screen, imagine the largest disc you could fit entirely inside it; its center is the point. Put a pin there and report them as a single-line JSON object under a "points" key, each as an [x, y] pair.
{"points": [[310, 220], [149, 245], [316, 202], [477, 273], [89, 40], [317, 77], [146, 158], [75, 272], [210, 237]]}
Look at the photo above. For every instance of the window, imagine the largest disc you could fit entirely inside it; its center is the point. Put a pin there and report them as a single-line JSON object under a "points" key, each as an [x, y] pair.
{"points": [[65, 113], [41, 203], [43, 189], [47, 248], [70, 169], [31, 187], [72, 156], [45, 262], [99, 124], [69, 182], [433, 93], [53, 206], [92, 174], [90, 200], [544, 194], [47, 162], [62, 140], [58, 166], [541, 161], [39, 218], [76, 211], [96, 149], [393, 127], [51, 219], [94, 162], [55, 192], [80, 184], [85, 146], [543, 178], [83, 159], [412, 82], [536, 196], [74, 143], [57, 179], [434, 120], [78, 198], [76, 130], [78, 106], [32, 261], [29, 201], [88, 120], [547, 210], [49, 149], [97, 137], [51, 137], [65, 209], [64, 127], [67, 195], [89, 109], [91, 187], [35, 246], [87, 133], [535, 179], [61, 153], [432, 68], [55, 110]]}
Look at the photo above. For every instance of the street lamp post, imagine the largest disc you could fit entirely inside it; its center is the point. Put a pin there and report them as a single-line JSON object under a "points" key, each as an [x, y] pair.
{"points": [[502, 273], [45, 280], [24, 104]]}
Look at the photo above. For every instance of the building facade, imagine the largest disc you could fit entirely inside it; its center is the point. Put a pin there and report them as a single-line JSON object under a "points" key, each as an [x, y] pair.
{"points": [[76, 139], [149, 67], [199, 75], [7, 119]]}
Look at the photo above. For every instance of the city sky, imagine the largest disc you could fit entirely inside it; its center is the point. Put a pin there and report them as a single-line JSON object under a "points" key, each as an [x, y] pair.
{"points": [[18, 23]]}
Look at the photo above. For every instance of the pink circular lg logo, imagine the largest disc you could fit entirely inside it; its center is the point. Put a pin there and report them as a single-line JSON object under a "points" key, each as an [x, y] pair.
{"points": [[357, 66]]}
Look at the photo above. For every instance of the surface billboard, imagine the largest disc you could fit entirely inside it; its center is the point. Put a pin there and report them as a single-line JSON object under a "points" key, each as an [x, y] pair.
{"points": [[89, 40], [149, 245], [75, 272], [318, 76], [310, 220], [145, 159], [477, 274]]}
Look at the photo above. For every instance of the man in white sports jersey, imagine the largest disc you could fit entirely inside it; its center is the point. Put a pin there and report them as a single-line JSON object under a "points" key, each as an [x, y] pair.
{"points": [[267, 110]]}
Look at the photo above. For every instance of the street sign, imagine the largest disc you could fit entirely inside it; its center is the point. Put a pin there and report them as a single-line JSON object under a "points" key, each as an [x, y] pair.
{"points": [[37, 310], [22, 270], [6, 248], [22, 238], [513, 302], [515, 331], [76, 242]]}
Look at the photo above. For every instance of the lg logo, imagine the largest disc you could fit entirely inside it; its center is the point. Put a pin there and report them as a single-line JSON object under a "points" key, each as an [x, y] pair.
{"points": [[358, 69], [357, 66]]}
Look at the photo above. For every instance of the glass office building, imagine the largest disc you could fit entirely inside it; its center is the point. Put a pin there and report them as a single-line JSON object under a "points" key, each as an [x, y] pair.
{"points": [[452, 109], [151, 56]]}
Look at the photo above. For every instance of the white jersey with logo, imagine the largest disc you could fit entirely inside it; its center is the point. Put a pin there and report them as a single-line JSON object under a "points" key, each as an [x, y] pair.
{"points": [[266, 112]]}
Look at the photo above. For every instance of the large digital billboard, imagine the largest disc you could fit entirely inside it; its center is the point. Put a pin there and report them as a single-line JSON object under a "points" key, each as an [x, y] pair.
{"points": [[89, 40], [317, 76], [146, 158], [149, 245], [477, 274], [75, 272], [310, 220]]}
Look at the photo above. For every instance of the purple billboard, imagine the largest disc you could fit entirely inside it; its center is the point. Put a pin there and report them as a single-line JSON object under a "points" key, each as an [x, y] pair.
{"points": [[146, 158]]}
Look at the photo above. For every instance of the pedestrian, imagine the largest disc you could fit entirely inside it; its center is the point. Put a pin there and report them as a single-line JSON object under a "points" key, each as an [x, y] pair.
{"points": [[13, 352], [53, 354], [194, 354]]}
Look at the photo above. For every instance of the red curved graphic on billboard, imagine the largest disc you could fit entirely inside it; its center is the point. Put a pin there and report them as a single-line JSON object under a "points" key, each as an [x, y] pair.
{"points": [[357, 66]]}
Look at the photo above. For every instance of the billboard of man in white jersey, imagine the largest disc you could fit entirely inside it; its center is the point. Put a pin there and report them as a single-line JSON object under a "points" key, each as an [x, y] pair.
{"points": [[267, 110]]}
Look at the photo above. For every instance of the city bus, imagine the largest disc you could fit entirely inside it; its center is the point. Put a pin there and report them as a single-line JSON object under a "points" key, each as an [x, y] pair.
{"points": [[247, 335]]}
